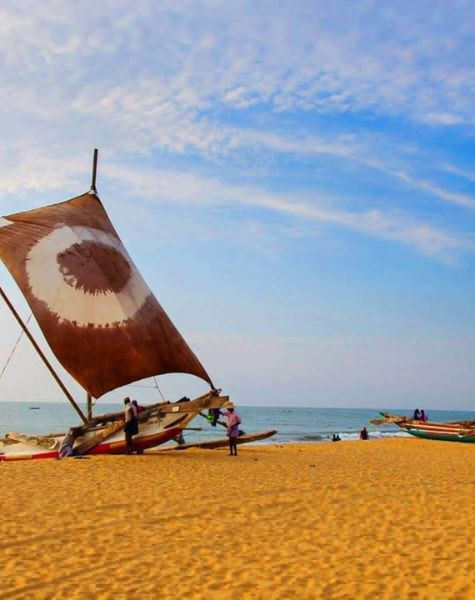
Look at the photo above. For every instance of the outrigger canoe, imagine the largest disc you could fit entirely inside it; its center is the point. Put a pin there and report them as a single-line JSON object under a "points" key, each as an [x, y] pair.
{"points": [[158, 424], [101, 321], [455, 431]]}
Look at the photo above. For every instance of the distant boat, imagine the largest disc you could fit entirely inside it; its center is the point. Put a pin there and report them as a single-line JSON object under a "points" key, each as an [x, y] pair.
{"points": [[455, 431], [100, 319]]}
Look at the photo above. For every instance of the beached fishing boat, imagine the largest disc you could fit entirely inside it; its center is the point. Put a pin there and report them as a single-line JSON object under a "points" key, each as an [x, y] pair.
{"points": [[455, 431], [101, 321]]}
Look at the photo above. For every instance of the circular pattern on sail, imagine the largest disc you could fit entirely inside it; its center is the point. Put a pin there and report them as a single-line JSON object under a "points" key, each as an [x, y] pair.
{"points": [[85, 276]]}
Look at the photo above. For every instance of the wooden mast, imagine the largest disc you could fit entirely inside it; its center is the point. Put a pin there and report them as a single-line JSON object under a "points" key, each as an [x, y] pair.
{"points": [[89, 407], [94, 171], [93, 189], [42, 356]]}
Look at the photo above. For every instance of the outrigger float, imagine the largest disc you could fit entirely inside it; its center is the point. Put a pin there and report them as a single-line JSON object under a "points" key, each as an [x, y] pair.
{"points": [[101, 321], [245, 438], [455, 431]]}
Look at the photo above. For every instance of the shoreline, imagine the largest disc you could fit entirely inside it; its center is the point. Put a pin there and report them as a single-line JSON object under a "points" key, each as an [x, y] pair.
{"points": [[387, 519]]}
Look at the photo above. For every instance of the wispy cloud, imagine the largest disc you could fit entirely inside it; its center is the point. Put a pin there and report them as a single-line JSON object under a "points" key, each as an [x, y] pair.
{"points": [[278, 120], [463, 173], [166, 186], [310, 58], [425, 185], [140, 90]]}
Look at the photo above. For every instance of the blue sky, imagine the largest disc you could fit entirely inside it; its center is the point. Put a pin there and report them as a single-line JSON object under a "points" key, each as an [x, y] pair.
{"points": [[295, 180]]}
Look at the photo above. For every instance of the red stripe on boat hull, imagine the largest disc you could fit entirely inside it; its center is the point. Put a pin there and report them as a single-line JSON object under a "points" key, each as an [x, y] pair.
{"points": [[118, 447]]}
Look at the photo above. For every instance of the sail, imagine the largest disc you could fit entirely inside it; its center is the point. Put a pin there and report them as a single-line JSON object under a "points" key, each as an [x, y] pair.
{"points": [[96, 312]]}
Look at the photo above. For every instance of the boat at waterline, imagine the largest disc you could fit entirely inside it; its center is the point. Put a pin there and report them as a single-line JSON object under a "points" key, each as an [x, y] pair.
{"points": [[158, 424], [101, 321], [455, 431]]}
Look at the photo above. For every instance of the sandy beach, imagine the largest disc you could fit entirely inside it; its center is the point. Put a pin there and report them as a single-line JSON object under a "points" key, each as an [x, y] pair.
{"points": [[378, 519]]}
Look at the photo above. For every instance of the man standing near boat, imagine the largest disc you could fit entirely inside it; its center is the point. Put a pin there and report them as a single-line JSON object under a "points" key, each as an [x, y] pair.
{"points": [[131, 425], [234, 420], [137, 409]]}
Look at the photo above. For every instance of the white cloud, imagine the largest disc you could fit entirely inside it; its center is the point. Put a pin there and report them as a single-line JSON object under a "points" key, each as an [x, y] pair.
{"points": [[292, 57], [444, 119], [463, 173], [166, 186], [74, 78], [460, 199]]}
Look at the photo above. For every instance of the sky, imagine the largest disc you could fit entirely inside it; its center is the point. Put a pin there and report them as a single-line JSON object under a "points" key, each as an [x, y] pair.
{"points": [[294, 180]]}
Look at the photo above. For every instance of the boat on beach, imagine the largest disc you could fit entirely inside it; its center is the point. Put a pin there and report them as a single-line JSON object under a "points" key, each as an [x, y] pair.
{"points": [[455, 431], [101, 321]]}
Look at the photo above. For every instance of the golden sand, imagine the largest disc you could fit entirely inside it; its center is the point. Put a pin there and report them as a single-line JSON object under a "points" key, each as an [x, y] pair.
{"points": [[377, 519]]}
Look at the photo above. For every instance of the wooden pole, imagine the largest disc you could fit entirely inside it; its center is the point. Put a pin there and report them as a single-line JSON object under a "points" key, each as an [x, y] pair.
{"points": [[42, 356], [93, 189], [94, 171], [89, 407]]}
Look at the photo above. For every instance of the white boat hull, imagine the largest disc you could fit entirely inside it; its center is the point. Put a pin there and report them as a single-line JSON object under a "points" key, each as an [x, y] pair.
{"points": [[162, 425]]}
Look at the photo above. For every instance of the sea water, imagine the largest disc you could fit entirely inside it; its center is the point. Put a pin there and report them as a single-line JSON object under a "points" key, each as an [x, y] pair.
{"points": [[293, 424]]}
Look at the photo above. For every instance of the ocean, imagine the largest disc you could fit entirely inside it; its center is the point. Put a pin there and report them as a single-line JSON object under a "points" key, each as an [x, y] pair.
{"points": [[294, 424]]}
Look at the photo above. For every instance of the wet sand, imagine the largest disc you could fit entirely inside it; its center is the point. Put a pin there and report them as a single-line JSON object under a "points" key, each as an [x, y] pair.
{"points": [[378, 519]]}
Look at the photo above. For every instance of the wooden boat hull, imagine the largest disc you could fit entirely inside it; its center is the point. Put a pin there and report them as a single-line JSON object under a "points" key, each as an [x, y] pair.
{"points": [[224, 442], [439, 431], [462, 432], [25, 452], [164, 423]]}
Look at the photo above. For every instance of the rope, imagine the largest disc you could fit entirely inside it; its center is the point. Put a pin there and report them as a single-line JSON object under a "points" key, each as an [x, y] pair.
{"points": [[13, 349], [159, 390], [144, 387]]}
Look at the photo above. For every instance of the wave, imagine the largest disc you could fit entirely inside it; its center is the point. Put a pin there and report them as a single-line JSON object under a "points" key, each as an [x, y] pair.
{"points": [[344, 435]]}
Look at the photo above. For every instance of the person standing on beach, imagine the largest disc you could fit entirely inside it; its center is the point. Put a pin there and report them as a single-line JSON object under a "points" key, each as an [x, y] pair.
{"points": [[137, 409], [131, 425], [233, 422]]}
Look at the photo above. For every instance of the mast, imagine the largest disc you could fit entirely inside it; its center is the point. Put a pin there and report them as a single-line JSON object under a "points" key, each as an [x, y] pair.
{"points": [[93, 189], [94, 171], [42, 356], [89, 407]]}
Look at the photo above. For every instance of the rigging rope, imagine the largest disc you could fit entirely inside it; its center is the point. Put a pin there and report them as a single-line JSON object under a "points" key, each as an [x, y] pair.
{"points": [[159, 390], [13, 349], [150, 387], [144, 387]]}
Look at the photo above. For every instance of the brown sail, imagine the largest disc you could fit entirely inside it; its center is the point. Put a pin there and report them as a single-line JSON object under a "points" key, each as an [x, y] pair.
{"points": [[97, 313]]}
